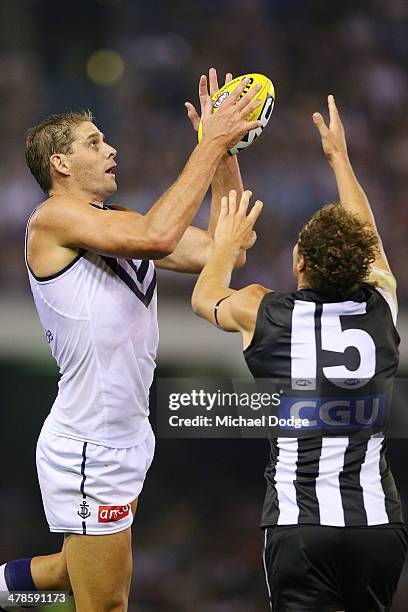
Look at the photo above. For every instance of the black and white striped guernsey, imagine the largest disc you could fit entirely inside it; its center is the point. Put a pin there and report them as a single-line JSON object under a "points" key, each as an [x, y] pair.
{"points": [[333, 480]]}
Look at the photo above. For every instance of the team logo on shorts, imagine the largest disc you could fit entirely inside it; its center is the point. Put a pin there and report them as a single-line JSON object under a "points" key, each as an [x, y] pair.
{"points": [[107, 514], [84, 511]]}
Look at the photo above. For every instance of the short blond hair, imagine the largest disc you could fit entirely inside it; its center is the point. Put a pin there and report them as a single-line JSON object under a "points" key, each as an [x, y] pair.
{"points": [[53, 135]]}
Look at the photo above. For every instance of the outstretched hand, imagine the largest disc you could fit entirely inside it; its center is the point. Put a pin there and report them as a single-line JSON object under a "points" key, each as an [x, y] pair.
{"points": [[229, 124], [235, 226], [207, 87], [333, 137]]}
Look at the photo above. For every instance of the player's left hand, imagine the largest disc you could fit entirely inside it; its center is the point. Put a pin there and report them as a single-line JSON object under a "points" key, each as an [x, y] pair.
{"points": [[332, 135], [207, 87], [235, 227]]}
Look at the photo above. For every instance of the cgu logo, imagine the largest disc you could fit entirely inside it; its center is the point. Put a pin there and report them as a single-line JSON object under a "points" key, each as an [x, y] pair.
{"points": [[336, 413], [108, 514]]}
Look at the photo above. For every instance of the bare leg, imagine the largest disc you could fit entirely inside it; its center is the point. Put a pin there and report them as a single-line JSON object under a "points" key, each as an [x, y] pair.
{"points": [[106, 554], [100, 570], [50, 572]]}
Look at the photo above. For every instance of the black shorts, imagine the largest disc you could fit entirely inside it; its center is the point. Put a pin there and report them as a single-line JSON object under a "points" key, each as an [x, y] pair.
{"points": [[314, 568]]}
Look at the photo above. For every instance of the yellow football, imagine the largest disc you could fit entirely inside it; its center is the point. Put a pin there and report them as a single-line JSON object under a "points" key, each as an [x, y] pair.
{"points": [[262, 112]]}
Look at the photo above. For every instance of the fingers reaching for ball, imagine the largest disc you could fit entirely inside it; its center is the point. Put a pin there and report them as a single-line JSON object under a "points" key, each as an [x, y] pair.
{"points": [[235, 225], [238, 92], [332, 135], [192, 115], [333, 112], [207, 88], [235, 115], [213, 80]]}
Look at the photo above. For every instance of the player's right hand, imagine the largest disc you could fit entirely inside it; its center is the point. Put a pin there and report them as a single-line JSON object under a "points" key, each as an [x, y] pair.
{"points": [[235, 227], [333, 137], [228, 125], [205, 94]]}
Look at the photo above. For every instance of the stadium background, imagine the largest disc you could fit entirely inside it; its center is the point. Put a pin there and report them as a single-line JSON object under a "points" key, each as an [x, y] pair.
{"points": [[196, 538]]}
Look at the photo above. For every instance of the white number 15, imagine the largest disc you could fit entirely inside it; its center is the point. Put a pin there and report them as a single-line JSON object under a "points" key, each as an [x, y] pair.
{"points": [[333, 338]]}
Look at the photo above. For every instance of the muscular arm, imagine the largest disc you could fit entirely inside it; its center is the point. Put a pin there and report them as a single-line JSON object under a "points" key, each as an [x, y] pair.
{"points": [[351, 194], [226, 177], [354, 199], [194, 249], [74, 224], [191, 253], [123, 233], [238, 309]]}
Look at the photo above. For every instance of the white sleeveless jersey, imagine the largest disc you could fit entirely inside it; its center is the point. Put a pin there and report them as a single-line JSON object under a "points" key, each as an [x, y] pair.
{"points": [[99, 316]]}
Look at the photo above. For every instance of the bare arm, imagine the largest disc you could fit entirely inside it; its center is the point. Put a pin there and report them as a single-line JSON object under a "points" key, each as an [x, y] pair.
{"points": [[191, 253], [194, 249], [227, 175], [156, 234], [237, 312], [351, 194]]}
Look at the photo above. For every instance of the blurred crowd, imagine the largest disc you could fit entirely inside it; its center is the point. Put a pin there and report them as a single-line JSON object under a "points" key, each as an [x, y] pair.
{"points": [[353, 49]]}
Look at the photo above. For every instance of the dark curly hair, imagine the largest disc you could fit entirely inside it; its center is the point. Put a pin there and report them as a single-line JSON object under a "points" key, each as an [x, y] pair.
{"points": [[338, 248]]}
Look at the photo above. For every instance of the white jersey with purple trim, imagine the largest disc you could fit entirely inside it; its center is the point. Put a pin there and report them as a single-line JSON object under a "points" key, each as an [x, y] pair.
{"points": [[99, 316]]}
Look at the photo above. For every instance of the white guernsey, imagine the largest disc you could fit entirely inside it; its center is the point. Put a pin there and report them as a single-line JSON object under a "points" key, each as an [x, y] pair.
{"points": [[100, 320]]}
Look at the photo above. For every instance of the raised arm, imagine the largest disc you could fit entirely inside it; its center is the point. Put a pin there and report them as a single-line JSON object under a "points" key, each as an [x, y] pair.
{"points": [[212, 298], [194, 249], [228, 175], [157, 233], [351, 194]]}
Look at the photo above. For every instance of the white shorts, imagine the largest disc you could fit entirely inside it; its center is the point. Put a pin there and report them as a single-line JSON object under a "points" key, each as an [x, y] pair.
{"points": [[88, 488]]}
